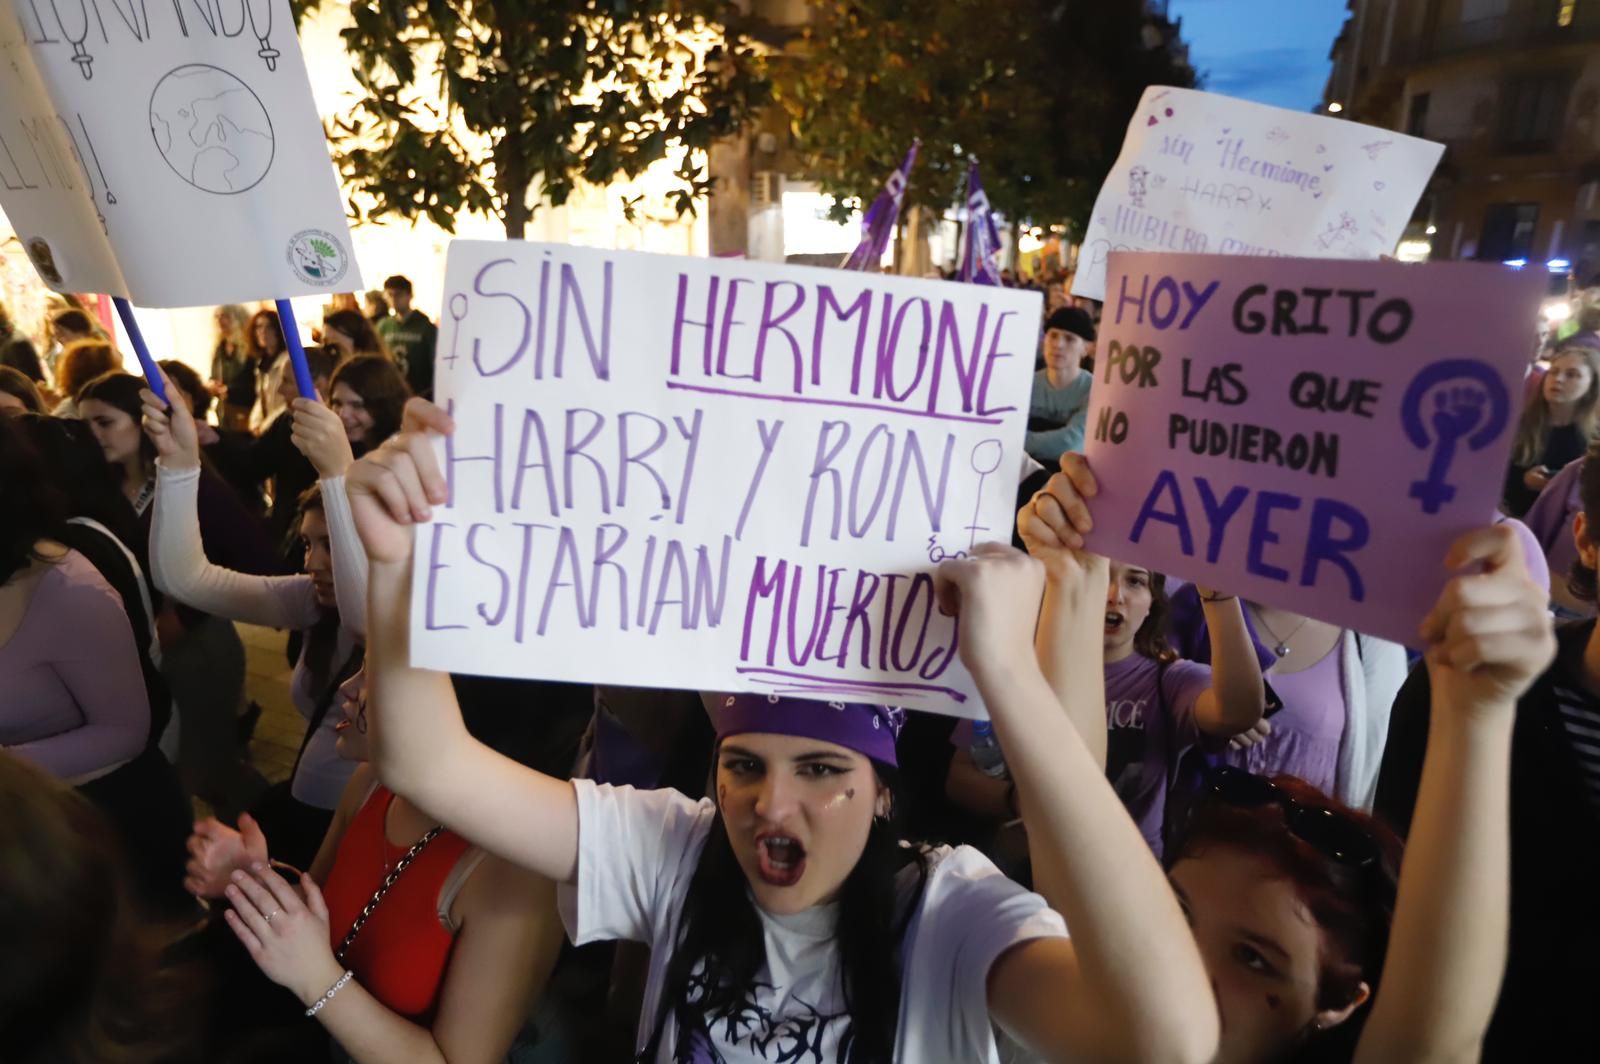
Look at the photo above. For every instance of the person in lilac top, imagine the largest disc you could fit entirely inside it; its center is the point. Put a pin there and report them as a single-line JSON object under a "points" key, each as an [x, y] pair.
{"points": [[1157, 706], [72, 694], [1336, 687], [1550, 522], [72, 698]]}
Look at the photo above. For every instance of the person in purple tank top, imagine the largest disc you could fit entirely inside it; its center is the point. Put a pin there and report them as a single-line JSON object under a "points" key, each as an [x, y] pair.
{"points": [[1157, 707]]}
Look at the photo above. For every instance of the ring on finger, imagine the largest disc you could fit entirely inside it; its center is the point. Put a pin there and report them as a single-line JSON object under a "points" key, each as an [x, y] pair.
{"points": [[273, 913]]}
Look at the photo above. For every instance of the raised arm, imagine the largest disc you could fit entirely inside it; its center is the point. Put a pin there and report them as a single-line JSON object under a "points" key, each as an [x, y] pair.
{"points": [[178, 562], [317, 433], [1043, 525], [349, 559], [421, 749], [1237, 696], [1129, 983], [1488, 639]]}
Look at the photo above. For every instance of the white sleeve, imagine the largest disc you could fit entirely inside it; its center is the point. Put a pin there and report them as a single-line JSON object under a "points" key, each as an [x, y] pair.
{"points": [[637, 851], [178, 565], [970, 915], [349, 557]]}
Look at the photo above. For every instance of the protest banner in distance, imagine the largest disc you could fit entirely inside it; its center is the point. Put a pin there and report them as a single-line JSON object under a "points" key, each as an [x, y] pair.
{"points": [[1305, 433], [1208, 174], [715, 474], [170, 154]]}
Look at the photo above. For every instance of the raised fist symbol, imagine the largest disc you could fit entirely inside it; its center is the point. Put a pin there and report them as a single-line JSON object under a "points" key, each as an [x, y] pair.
{"points": [[1458, 409]]}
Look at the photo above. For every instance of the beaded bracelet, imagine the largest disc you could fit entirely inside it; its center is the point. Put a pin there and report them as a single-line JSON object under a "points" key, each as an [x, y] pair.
{"points": [[332, 990]]}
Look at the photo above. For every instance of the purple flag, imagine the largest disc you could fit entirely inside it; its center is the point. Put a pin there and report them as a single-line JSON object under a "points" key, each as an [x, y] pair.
{"points": [[980, 259], [881, 217]]}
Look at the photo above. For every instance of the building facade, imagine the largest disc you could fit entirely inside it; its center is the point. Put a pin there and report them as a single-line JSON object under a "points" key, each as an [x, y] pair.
{"points": [[1512, 89]]}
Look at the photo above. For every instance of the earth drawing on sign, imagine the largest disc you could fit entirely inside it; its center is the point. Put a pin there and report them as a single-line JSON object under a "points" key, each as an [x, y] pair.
{"points": [[212, 129]]}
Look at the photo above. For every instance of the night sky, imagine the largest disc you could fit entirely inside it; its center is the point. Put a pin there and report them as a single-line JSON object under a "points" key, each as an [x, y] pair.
{"points": [[1270, 51]]}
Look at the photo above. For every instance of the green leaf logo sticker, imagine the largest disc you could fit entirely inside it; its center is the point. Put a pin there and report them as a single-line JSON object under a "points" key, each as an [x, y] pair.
{"points": [[317, 257]]}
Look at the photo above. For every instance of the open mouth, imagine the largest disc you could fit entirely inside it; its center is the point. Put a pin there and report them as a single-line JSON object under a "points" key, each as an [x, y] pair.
{"points": [[781, 860], [1114, 622]]}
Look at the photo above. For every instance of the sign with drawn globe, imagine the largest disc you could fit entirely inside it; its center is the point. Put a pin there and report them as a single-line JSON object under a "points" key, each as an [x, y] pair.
{"points": [[166, 153], [212, 129]]}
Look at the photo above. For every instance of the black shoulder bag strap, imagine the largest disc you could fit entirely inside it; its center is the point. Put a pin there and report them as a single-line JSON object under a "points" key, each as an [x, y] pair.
{"points": [[325, 703]]}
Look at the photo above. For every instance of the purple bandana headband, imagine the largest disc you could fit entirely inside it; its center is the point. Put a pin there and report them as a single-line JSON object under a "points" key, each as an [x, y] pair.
{"points": [[868, 730]]}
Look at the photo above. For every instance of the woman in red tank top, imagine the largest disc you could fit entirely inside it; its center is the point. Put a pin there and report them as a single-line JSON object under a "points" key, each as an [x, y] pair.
{"points": [[433, 950]]}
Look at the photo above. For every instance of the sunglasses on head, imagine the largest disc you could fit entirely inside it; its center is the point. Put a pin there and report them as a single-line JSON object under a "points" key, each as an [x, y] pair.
{"points": [[1332, 835]]}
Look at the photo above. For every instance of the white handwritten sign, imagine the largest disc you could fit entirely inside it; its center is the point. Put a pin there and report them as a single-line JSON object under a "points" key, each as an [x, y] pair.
{"points": [[1208, 174], [168, 153], [715, 474]]}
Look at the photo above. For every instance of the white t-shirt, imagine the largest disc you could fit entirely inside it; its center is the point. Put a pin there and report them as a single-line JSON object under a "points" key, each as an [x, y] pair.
{"points": [[637, 852]]}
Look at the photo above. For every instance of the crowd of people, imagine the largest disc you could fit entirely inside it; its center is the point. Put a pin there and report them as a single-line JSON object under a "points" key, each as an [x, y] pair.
{"points": [[1193, 828]]}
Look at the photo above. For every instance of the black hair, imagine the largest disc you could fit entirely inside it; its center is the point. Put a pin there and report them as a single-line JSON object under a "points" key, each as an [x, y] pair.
{"points": [[77, 467], [322, 638], [190, 383], [363, 334], [721, 949], [73, 320], [382, 387], [1151, 638], [321, 361], [18, 353], [121, 390], [397, 281], [31, 505]]}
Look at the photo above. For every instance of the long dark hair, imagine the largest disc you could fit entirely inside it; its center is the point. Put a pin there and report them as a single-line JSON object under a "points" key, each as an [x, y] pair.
{"points": [[322, 638], [31, 505], [19, 354], [1151, 638], [121, 390], [381, 386], [74, 464], [363, 336], [721, 949]]}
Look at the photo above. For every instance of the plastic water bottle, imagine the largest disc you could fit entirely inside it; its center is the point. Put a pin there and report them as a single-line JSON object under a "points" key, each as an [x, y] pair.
{"points": [[986, 752]]}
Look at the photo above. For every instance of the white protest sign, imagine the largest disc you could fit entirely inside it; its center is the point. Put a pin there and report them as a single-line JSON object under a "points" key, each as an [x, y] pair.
{"points": [[715, 474], [1208, 174], [167, 153]]}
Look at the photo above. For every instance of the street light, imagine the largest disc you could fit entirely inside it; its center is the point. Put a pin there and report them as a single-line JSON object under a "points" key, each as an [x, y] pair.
{"points": [[1335, 107]]}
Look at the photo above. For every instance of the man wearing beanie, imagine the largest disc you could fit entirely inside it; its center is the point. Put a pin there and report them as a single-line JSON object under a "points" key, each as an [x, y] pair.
{"points": [[1059, 411]]}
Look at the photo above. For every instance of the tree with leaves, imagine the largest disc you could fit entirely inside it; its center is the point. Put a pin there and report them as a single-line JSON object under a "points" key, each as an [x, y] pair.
{"points": [[538, 96], [1039, 90]]}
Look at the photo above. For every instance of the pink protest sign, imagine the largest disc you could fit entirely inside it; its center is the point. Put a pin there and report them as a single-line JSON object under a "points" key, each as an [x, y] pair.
{"points": [[1310, 434]]}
